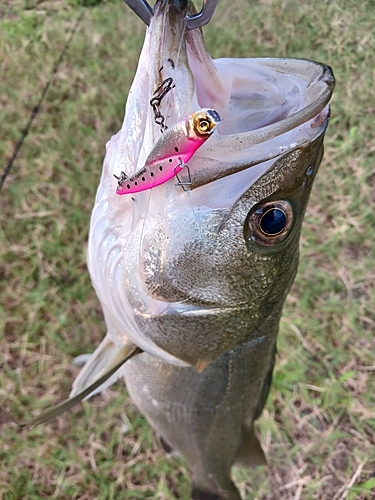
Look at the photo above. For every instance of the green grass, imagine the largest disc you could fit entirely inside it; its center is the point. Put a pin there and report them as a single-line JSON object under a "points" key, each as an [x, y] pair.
{"points": [[318, 428]]}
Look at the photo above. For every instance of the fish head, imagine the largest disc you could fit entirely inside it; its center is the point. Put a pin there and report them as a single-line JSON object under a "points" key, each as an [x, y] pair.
{"points": [[188, 274]]}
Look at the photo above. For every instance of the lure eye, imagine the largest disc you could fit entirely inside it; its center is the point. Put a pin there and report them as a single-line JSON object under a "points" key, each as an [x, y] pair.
{"points": [[204, 125], [270, 223]]}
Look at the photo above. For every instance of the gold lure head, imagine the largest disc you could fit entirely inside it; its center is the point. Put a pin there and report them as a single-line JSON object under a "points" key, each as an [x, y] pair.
{"points": [[204, 122]]}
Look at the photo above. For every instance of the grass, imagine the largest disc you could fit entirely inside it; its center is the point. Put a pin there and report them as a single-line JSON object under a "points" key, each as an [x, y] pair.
{"points": [[318, 428]]}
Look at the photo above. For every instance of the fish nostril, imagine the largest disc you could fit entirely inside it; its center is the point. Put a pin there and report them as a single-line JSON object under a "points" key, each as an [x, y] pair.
{"points": [[310, 171]]}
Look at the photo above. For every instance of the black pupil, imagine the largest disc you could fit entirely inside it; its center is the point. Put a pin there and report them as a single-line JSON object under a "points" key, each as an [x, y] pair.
{"points": [[273, 221]]}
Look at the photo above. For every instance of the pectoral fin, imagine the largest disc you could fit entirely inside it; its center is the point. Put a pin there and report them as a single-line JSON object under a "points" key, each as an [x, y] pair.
{"points": [[250, 453], [100, 360], [202, 365], [126, 352]]}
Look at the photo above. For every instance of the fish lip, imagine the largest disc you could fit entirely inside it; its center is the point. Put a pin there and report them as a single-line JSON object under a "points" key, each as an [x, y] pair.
{"points": [[192, 310], [183, 309]]}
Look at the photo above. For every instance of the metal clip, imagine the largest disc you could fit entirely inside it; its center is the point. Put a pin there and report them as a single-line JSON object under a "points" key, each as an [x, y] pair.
{"points": [[145, 12], [142, 9], [155, 102], [186, 185], [203, 17]]}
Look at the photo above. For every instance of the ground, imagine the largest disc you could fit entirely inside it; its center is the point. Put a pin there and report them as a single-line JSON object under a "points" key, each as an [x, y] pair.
{"points": [[318, 429]]}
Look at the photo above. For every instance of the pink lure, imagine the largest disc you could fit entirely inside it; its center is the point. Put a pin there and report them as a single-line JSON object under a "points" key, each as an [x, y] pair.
{"points": [[172, 151]]}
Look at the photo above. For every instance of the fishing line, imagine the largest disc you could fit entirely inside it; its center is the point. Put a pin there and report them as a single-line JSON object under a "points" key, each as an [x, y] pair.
{"points": [[36, 108], [187, 192], [163, 95], [164, 90], [174, 64]]}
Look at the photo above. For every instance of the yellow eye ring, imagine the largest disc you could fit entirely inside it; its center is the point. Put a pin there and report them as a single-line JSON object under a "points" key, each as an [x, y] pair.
{"points": [[203, 122], [204, 125]]}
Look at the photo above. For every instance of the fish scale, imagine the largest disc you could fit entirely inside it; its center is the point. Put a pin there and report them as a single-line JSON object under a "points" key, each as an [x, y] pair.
{"points": [[207, 425]]}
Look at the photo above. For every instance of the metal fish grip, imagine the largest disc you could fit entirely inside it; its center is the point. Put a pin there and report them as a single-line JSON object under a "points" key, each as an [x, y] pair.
{"points": [[145, 12]]}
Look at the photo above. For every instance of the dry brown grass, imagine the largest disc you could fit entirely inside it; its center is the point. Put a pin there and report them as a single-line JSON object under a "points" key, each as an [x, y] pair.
{"points": [[319, 425]]}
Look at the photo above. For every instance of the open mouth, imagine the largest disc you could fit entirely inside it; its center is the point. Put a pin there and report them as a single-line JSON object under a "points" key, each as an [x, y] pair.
{"points": [[262, 95], [151, 243]]}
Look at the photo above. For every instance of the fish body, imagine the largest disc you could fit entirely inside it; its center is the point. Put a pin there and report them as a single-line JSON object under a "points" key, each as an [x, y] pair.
{"points": [[172, 152], [197, 280]]}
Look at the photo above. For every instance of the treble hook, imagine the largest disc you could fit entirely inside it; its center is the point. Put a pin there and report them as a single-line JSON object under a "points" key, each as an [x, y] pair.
{"points": [[145, 12]]}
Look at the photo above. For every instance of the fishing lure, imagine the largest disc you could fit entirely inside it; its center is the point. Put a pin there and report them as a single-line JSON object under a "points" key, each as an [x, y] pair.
{"points": [[171, 153]]}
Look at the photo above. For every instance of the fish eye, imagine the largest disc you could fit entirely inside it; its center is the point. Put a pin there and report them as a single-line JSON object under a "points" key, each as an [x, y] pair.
{"points": [[273, 221], [270, 223]]}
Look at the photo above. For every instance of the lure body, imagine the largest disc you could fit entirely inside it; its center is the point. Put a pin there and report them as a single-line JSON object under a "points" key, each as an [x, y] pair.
{"points": [[172, 152]]}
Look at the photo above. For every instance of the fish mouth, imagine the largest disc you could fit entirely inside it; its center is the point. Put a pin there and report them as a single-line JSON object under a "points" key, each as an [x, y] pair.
{"points": [[262, 102], [268, 108], [254, 131]]}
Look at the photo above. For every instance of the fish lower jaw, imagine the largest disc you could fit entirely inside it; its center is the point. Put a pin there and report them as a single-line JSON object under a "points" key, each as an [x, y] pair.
{"points": [[189, 309]]}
